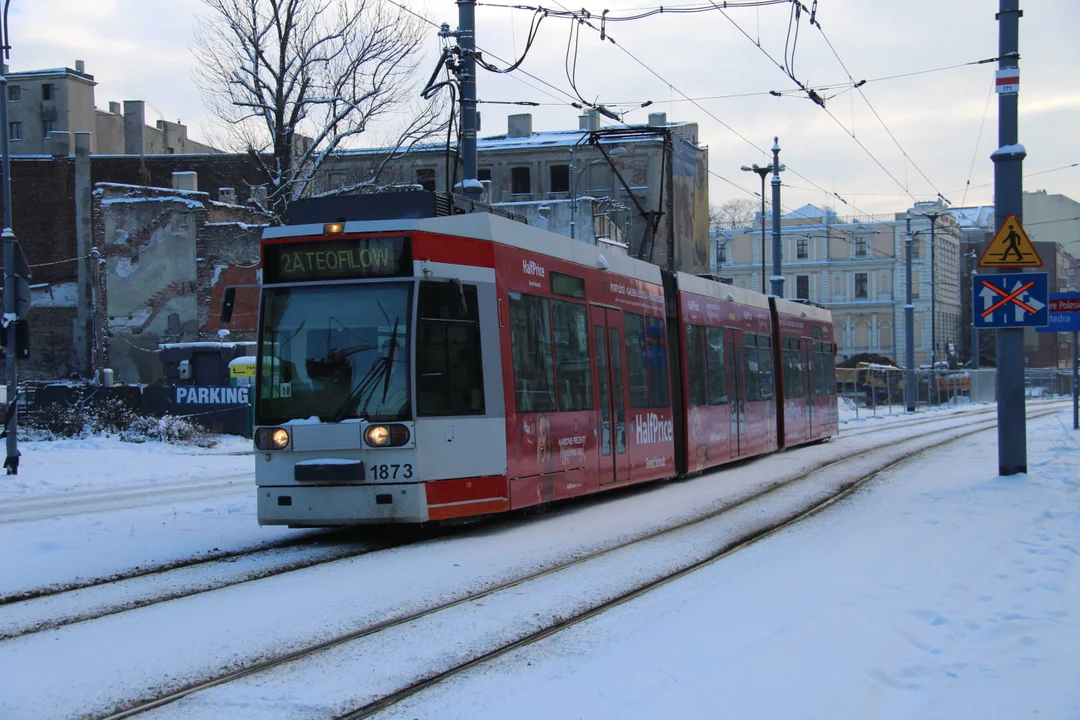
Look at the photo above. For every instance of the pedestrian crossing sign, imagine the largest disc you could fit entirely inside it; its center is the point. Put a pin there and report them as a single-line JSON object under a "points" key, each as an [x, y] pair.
{"points": [[1010, 248]]}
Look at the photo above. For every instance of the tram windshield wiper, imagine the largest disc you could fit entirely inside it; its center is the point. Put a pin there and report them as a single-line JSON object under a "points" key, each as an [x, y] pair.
{"points": [[382, 368]]}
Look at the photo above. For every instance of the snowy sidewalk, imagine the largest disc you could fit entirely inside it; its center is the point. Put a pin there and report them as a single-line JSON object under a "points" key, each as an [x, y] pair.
{"points": [[939, 591]]}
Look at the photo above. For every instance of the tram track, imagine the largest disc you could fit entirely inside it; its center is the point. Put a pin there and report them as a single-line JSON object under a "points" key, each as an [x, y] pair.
{"points": [[57, 606], [922, 419], [81, 502], [895, 453], [53, 607]]}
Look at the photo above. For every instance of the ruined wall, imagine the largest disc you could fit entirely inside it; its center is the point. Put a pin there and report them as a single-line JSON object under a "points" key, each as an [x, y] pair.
{"points": [[147, 239], [229, 254]]}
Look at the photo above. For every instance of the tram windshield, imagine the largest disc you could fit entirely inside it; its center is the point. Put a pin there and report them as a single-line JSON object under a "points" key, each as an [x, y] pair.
{"points": [[334, 353]]}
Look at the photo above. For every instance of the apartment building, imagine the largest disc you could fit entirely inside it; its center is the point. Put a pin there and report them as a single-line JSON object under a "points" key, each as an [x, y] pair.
{"points": [[47, 107], [559, 181], [855, 266]]}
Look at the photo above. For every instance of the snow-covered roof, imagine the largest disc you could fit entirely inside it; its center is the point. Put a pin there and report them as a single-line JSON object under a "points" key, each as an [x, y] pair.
{"points": [[981, 216], [808, 211], [550, 138]]}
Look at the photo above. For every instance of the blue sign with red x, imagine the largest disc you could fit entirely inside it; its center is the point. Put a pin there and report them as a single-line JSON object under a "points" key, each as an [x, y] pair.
{"points": [[1010, 300]]}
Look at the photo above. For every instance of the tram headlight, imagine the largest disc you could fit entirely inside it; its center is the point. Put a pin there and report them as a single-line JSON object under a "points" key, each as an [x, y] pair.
{"points": [[271, 438], [394, 435]]}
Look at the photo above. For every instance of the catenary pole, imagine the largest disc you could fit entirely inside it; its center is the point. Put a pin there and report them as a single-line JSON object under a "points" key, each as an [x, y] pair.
{"points": [[11, 424], [471, 187], [1076, 380], [1008, 199], [974, 329], [910, 391], [777, 248]]}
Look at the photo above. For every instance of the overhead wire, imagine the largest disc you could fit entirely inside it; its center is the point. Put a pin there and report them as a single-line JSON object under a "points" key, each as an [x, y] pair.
{"points": [[978, 141], [857, 86], [721, 122]]}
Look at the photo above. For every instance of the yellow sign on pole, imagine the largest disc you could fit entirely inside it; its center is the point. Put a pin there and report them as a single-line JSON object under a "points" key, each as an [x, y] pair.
{"points": [[1010, 248]]}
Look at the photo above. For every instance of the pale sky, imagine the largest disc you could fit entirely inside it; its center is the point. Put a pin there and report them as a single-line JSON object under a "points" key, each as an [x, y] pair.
{"points": [[140, 49]]}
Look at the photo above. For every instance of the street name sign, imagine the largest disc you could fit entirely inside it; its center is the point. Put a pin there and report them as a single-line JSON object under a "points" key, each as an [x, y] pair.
{"points": [[1011, 300], [1010, 248], [1064, 313]]}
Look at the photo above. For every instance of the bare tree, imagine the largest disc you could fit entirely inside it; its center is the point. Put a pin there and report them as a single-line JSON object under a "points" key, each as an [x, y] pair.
{"points": [[296, 81], [734, 214]]}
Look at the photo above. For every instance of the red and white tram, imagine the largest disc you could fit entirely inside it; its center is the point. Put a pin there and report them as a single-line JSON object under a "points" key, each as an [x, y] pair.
{"points": [[414, 368]]}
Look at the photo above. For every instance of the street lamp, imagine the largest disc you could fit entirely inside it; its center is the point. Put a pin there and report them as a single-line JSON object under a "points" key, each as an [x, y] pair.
{"points": [[763, 172], [573, 181]]}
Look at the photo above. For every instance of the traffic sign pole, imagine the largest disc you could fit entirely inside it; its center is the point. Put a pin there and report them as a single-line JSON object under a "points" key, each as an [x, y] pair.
{"points": [[1008, 200]]}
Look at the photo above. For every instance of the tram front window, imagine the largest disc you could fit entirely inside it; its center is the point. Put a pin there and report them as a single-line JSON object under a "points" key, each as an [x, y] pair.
{"points": [[334, 353]]}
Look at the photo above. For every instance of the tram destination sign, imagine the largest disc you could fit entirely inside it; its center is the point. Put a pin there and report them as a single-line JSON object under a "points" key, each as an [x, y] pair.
{"points": [[343, 258]]}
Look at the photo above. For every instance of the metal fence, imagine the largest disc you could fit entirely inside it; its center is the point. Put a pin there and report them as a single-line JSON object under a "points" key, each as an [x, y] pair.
{"points": [[1047, 383], [879, 389]]}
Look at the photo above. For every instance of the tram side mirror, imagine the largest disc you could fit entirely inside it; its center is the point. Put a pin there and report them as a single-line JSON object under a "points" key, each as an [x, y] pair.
{"points": [[227, 302], [464, 306]]}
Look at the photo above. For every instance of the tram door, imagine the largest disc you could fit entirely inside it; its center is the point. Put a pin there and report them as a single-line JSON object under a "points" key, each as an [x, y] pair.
{"points": [[736, 391], [607, 328]]}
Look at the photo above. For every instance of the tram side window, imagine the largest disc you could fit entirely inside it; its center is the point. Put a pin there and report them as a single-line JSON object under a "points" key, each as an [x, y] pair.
{"points": [[765, 366], [530, 346], [657, 359], [635, 360], [793, 372], [573, 367], [821, 380], [717, 366], [830, 369], [696, 365], [752, 372], [449, 372]]}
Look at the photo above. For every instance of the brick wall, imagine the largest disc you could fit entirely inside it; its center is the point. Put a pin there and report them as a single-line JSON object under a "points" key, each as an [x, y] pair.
{"points": [[238, 171], [43, 215]]}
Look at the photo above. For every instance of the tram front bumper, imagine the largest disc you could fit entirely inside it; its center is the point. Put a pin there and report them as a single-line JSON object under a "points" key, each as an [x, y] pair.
{"points": [[320, 506]]}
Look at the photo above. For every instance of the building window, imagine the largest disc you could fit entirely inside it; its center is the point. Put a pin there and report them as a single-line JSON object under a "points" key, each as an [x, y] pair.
{"points": [[802, 250], [425, 177], [861, 290], [50, 126], [520, 181], [16, 131], [802, 287], [721, 253], [915, 248], [915, 282], [48, 91], [484, 174], [560, 178], [14, 93], [861, 247]]}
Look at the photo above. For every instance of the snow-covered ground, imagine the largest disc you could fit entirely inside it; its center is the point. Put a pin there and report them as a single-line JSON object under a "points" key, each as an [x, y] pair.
{"points": [[863, 611], [90, 508], [938, 591]]}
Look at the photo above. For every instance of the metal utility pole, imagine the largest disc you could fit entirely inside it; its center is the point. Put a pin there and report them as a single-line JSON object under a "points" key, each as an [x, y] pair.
{"points": [[974, 330], [466, 36], [910, 391], [777, 248], [1008, 199], [11, 421], [763, 172], [1076, 386], [933, 293]]}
